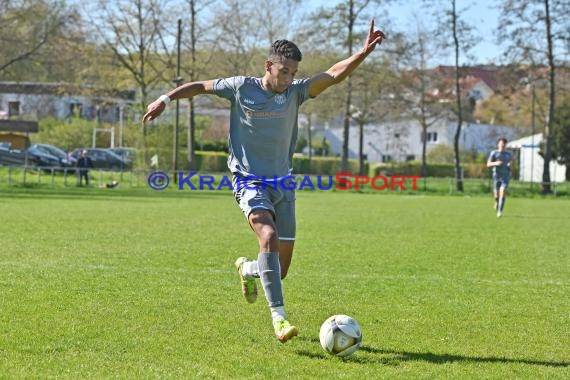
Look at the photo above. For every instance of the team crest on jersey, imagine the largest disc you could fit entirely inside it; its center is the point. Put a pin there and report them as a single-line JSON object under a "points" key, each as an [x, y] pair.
{"points": [[280, 99]]}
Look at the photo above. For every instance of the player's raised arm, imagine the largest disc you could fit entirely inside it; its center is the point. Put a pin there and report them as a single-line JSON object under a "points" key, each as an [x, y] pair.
{"points": [[342, 69], [186, 91]]}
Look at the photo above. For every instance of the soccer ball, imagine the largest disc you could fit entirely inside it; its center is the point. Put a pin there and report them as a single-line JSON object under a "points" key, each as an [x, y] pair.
{"points": [[340, 335]]}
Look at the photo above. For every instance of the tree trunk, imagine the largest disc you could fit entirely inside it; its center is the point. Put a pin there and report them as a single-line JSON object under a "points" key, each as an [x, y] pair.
{"points": [[546, 185], [424, 148], [361, 147], [309, 126], [458, 174], [347, 113], [191, 156]]}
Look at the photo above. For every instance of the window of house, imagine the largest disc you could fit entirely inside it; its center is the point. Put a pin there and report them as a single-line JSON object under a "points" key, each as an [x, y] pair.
{"points": [[75, 109], [13, 109], [386, 158], [476, 94], [431, 137], [410, 157]]}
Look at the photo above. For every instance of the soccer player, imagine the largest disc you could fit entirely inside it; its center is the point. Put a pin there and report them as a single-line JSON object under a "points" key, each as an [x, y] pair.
{"points": [[500, 161], [262, 138]]}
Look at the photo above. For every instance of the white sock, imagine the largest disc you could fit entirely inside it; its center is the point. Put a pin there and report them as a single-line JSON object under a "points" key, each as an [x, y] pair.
{"points": [[250, 269], [277, 313]]}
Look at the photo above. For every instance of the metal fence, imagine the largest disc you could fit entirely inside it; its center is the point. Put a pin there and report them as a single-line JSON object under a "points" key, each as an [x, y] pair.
{"points": [[58, 177]]}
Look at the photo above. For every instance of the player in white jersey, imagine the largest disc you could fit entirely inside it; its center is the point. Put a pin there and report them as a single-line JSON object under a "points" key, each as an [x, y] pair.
{"points": [[263, 134]]}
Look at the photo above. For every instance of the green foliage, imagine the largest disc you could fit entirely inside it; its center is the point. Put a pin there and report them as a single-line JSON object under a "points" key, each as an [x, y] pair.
{"points": [[320, 146], [322, 165], [443, 154], [216, 162], [212, 145], [66, 134], [302, 143], [470, 170]]}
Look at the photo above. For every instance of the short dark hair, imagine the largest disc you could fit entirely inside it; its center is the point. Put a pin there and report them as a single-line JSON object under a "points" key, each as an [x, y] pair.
{"points": [[285, 49], [504, 140]]}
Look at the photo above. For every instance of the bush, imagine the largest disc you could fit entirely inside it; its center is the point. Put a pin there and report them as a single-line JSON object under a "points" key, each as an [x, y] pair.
{"points": [[212, 146], [211, 161], [433, 170], [217, 162], [324, 165]]}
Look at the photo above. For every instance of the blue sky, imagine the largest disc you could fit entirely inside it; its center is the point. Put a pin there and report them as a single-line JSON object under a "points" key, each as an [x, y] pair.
{"points": [[480, 14]]}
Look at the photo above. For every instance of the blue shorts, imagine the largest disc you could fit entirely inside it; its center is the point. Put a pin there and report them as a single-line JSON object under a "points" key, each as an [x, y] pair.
{"points": [[500, 182], [254, 194]]}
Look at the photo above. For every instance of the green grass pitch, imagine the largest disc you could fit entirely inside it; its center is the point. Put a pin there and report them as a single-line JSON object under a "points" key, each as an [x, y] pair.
{"points": [[101, 284]]}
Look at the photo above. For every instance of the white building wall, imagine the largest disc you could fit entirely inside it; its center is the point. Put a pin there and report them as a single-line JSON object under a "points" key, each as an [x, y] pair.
{"points": [[401, 141], [531, 164]]}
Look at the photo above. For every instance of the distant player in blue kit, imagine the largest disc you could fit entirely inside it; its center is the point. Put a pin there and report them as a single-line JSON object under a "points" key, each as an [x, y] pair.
{"points": [[500, 161], [262, 138]]}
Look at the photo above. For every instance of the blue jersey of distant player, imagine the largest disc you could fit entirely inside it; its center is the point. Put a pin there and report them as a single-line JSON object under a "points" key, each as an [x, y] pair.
{"points": [[502, 171], [263, 125]]}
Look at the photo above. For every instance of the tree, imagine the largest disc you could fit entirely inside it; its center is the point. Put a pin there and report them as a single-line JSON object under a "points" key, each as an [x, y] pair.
{"points": [[193, 31], [414, 53], [374, 98], [343, 24], [27, 29], [238, 38], [134, 31], [535, 30], [456, 34], [275, 25]]}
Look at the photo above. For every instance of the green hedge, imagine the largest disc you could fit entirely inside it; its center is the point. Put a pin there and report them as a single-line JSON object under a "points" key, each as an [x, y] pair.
{"points": [[217, 162], [324, 165], [211, 161], [433, 170]]}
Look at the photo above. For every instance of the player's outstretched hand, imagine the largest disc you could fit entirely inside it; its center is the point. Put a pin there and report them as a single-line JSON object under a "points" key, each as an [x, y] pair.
{"points": [[153, 110], [375, 37]]}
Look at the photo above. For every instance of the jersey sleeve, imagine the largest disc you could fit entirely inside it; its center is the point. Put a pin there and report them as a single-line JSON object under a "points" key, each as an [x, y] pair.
{"points": [[302, 88], [227, 87]]}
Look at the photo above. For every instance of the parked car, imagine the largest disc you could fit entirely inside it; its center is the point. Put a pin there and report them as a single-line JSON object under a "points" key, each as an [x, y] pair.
{"points": [[64, 159], [31, 156], [13, 157], [103, 158], [42, 158], [127, 154]]}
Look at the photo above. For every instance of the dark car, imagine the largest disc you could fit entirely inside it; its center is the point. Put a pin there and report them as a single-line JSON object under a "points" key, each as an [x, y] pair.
{"points": [[127, 154], [42, 158], [65, 160], [30, 157], [103, 158], [13, 157]]}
